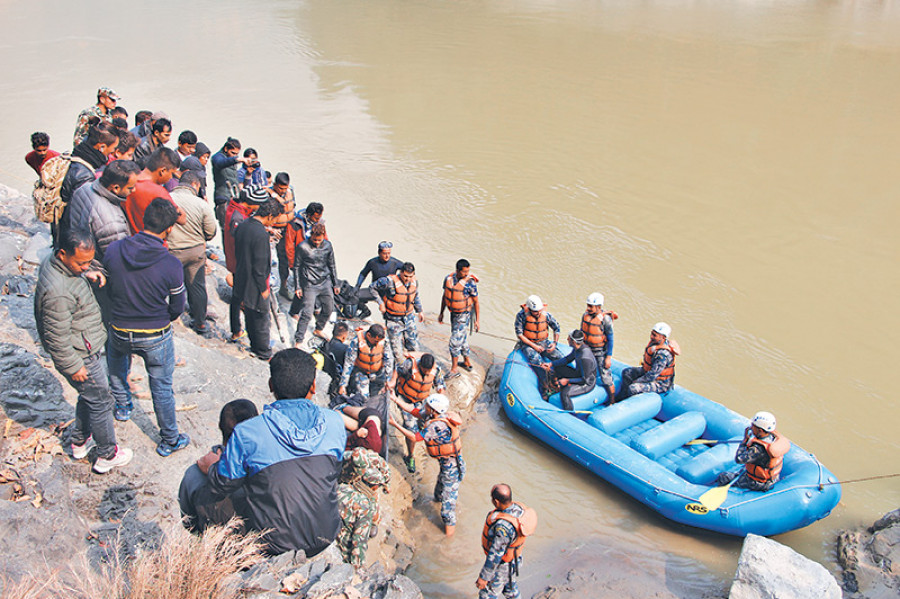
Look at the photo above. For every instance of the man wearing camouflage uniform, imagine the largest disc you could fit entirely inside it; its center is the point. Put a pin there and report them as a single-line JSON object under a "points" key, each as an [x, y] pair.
{"points": [[656, 374], [460, 297], [501, 541], [106, 101], [364, 472], [597, 326], [441, 436], [398, 299]]}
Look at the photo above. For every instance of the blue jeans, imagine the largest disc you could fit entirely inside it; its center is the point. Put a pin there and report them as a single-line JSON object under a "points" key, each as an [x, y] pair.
{"points": [[158, 352]]}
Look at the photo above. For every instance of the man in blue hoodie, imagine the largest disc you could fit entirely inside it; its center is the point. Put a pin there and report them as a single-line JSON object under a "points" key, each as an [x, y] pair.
{"points": [[146, 292], [281, 468]]}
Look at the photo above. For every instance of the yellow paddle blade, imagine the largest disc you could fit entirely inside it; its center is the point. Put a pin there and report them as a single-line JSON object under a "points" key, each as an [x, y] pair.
{"points": [[715, 497], [702, 442]]}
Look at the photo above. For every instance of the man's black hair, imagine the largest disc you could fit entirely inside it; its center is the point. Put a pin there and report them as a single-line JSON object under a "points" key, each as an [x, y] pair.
{"points": [[501, 493], [39, 138], [340, 327], [101, 133], [315, 208], [161, 125], [249, 151], [188, 178], [187, 137], [408, 267], [232, 143], [119, 123], [127, 141], [233, 413], [282, 179], [377, 330], [118, 172], [292, 373], [461, 264], [160, 215], [163, 157], [141, 116], [426, 361], [120, 112], [271, 207], [70, 238]]}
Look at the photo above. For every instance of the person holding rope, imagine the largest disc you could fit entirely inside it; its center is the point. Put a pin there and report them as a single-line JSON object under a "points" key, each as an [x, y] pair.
{"points": [[533, 326], [762, 452], [461, 299]]}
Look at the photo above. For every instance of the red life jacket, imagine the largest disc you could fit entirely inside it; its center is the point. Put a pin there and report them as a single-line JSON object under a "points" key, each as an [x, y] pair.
{"points": [[536, 327], [401, 303], [451, 448], [667, 373], [524, 525], [418, 386], [455, 297], [592, 327], [776, 450], [369, 359]]}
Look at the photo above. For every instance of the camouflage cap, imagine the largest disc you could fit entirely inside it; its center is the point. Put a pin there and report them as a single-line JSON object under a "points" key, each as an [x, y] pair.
{"points": [[109, 93]]}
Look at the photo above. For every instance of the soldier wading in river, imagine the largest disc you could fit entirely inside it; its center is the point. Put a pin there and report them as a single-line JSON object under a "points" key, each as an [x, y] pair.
{"points": [[502, 538]]}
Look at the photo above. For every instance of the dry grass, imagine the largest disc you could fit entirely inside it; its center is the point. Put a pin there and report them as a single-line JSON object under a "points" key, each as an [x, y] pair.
{"points": [[184, 567]]}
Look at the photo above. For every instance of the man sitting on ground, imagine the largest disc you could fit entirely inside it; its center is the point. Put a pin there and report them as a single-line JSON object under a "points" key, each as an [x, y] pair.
{"points": [[287, 460]]}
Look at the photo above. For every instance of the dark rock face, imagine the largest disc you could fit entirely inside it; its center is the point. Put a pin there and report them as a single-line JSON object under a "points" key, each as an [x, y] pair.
{"points": [[871, 559]]}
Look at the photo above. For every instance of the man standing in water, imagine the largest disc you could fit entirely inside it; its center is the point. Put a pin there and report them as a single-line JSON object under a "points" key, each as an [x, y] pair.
{"points": [[502, 538]]}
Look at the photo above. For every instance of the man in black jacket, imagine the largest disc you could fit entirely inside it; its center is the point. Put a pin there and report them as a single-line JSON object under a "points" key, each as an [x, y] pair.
{"points": [[315, 277], [580, 379], [251, 276]]}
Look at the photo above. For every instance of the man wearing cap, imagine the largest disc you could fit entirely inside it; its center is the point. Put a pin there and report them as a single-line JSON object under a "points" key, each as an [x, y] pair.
{"points": [[239, 209], [533, 326], [106, 101], [596, 324], [578, 380], [762, 452], [380, 266], [441, 436], [251, 275], [656, 374]]}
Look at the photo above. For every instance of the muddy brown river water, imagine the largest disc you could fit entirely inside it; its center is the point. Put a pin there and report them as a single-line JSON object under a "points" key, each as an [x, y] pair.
{"points": [[727, 167]]}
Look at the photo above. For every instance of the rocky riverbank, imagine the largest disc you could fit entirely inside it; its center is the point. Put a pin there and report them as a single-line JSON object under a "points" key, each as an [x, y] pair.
{"points": [[52, 506]]}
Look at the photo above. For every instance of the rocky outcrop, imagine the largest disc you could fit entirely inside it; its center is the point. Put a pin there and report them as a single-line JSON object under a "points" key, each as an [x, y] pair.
{"points": [[54, 509], [871, 559], [769, 570]]}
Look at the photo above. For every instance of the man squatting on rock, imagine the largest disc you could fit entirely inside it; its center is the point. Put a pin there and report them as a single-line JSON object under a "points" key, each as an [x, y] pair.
{"points": [[280, 469]]}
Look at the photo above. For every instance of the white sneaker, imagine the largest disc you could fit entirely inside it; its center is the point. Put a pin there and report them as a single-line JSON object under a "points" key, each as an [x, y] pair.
{"points": [[79, 452], [123, 456]]}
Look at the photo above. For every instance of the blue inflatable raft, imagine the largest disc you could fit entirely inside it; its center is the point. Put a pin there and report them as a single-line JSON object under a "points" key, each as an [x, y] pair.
{"points": [[639, 445]]}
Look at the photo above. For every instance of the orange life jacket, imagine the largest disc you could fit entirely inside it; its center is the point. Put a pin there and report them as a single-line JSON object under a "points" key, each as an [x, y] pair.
{"points": [[454, 295], [513, 549], [667, 373], [369, 359], [451, 448], [776, 450], [592, 327], [418, 386], [401, 303], [536, 327]]}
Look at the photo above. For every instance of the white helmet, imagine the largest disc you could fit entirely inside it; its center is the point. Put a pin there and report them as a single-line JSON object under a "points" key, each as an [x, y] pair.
{"points": [[765, 421], [595, 299], [663, 329], [437, 402], [534, 303]]}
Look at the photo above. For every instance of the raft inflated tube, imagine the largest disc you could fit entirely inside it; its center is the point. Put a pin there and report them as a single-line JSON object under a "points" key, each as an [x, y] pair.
{"points": [[660, 440], [624, 414], [703, 468]]}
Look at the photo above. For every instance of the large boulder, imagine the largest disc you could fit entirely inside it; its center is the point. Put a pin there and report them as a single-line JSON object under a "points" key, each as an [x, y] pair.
{"points": [[871, 559], [769, 570]]}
